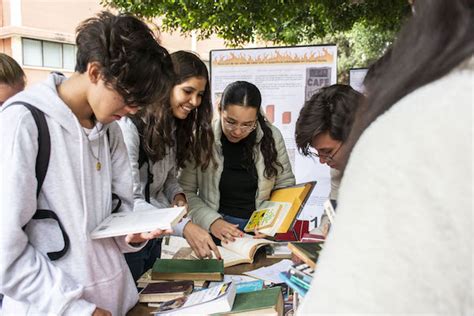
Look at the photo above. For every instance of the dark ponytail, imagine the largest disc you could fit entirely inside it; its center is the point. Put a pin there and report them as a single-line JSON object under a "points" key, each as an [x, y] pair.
{"points": [[268, 148]]}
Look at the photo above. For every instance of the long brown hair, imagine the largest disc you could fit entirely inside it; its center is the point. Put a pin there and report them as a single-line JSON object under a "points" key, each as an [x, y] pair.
{"points": [[193, 135]]}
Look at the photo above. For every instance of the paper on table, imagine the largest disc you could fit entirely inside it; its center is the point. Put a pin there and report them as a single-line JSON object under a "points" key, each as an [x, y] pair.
{"points": [[271, 273], [234, 278]]}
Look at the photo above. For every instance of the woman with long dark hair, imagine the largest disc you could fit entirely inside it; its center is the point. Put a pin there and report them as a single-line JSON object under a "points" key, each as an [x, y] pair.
{"points": [[159, 141], [402, 242], [251, 161]]}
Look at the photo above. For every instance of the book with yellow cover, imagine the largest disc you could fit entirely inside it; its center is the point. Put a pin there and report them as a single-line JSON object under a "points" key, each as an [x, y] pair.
{"points": [[297, 196], [267, 220], [281, 211]]}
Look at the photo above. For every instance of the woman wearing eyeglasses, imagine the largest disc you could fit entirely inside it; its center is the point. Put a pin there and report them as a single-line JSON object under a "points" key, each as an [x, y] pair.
{"points": [[251, 162]]}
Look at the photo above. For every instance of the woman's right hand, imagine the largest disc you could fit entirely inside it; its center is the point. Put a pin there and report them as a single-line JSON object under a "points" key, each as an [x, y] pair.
{"points": [[101, 312], [225, 231]]}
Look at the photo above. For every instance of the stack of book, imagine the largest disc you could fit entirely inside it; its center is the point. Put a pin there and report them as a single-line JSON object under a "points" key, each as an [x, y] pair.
{"points": [[165, 291], [299, 276]]}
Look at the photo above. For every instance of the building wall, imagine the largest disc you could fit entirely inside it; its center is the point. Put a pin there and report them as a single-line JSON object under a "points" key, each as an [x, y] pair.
{"points": [[57, 22]]}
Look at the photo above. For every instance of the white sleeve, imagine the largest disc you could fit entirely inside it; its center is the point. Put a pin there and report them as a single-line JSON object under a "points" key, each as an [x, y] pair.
{"points": [[27, 275]]}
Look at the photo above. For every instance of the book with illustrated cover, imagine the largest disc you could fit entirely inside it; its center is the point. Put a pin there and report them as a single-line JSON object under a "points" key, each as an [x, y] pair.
{"points": [[268, 220], [124, 223], [297, 196], [242, 250], [165, 291], [183, 269], [217, 299]]}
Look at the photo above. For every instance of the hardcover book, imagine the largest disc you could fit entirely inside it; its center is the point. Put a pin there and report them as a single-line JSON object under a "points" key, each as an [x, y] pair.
{"points": [[165, 291], [306, 251], [182, 269], [268, 301], [297, 196]]}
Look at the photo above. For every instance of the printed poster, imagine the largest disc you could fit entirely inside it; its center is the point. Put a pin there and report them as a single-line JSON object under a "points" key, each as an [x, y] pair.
{"points": [[286, 77]]}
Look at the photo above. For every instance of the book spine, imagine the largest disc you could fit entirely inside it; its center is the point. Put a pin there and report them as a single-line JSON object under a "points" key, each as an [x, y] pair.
{"points": [[300, 282], [300, 275], [285, 276]]}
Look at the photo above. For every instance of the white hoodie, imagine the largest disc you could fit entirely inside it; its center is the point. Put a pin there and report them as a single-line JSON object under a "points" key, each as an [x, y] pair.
{"points": [[92, 272]]}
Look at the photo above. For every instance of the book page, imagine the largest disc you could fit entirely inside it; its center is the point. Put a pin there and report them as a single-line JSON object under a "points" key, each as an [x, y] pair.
{"points": [[120, 224], [246, 246], [230, 258]]}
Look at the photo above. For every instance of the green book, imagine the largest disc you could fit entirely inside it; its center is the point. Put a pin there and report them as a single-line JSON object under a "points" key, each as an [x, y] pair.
{"points": [[268, 301], [306, 251], [182, 269]]}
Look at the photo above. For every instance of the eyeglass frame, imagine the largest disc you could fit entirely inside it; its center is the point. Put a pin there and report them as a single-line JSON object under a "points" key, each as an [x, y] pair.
{"points": [[330, 157], [233, 126]]}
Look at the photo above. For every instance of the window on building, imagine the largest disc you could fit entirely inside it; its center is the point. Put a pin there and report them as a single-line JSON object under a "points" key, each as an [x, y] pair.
{"points": [[48, 54]]}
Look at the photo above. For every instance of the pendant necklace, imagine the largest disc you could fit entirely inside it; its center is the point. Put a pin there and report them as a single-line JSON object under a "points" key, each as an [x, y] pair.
{"points": [[98, 165]]}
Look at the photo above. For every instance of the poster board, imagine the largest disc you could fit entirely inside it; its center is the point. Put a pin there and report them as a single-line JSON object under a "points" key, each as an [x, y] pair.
{"points": [[286, 77]]}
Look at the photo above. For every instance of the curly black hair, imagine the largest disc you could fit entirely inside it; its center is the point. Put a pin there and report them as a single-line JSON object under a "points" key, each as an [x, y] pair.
{"points": [[132, 62]]}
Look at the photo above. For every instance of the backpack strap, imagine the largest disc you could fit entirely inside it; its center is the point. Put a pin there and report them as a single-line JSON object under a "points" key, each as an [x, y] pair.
{"points": [[142, 155], [41, 168], [44, 144]]}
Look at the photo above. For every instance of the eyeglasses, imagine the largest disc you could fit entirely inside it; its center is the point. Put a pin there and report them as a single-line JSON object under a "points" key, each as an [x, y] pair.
{"points": [[327, 156], [232, 126]]}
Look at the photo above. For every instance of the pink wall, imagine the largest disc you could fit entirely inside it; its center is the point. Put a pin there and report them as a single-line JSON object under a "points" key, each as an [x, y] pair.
{"points": [[60, 16]]}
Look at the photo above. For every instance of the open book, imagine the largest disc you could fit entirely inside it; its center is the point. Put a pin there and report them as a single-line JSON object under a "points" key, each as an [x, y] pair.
{"points": [[242, 250], [124, 223], [280, 213]]}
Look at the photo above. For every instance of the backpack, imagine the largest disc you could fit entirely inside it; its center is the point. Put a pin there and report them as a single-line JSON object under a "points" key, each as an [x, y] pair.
{"points": [[41, 168], [142, 155]]}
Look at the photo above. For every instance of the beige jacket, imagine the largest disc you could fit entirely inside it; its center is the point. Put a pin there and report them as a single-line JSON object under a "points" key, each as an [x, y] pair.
{"points": [[202, 187]]}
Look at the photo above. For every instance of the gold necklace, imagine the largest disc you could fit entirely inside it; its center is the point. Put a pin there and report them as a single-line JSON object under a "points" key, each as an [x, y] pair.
{"points": [[98, 165]]}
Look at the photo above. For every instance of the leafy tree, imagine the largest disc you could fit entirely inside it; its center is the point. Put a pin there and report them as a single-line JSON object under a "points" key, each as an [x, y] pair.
{"points": [[361, 28]]}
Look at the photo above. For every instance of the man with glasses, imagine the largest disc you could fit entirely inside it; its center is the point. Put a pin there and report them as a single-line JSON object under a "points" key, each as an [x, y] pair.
{"points": [[324, 124]]}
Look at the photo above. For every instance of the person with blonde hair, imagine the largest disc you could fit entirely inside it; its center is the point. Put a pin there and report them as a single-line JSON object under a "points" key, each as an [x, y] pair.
{"points": [[12, 78]]}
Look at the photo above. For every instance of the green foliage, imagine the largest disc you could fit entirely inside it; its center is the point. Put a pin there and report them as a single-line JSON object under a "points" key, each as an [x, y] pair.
{"points": [[361, 28]]}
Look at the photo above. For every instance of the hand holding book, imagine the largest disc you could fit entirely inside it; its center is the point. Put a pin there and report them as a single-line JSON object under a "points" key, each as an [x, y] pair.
{"points": [[138, 238]]}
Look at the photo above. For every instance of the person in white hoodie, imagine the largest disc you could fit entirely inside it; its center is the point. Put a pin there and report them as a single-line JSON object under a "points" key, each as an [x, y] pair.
{"points": [[120, 67]]}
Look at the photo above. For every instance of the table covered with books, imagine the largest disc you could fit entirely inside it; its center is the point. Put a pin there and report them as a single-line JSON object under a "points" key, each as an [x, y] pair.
{"points": [[266, 292], [260, 260]]}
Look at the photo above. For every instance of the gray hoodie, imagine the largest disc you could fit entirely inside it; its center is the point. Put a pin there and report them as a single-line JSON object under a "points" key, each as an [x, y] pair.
{"points": [[93, 272]]}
